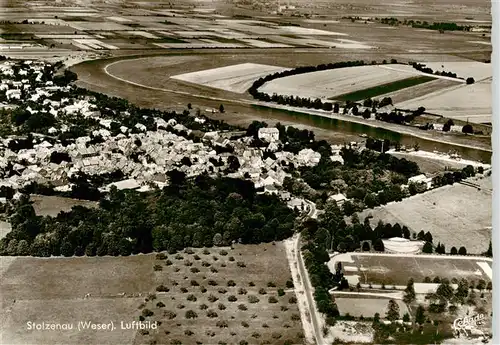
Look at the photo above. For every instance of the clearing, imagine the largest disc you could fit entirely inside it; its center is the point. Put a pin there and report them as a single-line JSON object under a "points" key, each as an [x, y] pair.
{"points": [[235, 78], [450, 217]]}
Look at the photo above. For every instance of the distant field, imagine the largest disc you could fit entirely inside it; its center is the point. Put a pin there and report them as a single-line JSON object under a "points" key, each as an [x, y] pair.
{"points": [[235, 78], [463, 69], [464, 102], [383, 89], [389, 270], [455, 215]]}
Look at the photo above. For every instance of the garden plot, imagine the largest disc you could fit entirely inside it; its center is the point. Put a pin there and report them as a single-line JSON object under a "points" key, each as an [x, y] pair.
{"points": [[367, 307], [471, 103], [463, 69], [235, 78], [455, 215], [334, 82]]}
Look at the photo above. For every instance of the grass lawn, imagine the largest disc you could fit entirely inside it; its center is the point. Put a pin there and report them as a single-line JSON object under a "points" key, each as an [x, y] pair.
{"points": [[382, 89]]}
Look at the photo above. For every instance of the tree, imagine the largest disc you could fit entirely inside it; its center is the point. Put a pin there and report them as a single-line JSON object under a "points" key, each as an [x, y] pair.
{"points": [[470, 80], [420, 315], [445, 290], [406, 317], [366, 247], [428, 237], [378, 245], [409, 296], [453, 251], [406, 232], [221, 108], [392, 311], [462, 251], [489, 252], [467, 129], [427, 248], [217, 240], [23, 248]]}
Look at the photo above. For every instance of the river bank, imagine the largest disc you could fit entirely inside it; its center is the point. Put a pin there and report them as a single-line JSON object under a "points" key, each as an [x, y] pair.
{"points": [[335, 128]]}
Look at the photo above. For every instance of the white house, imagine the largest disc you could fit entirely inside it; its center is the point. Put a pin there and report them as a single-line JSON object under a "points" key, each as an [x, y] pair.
{"points": [[269, 134], [338, 198]]}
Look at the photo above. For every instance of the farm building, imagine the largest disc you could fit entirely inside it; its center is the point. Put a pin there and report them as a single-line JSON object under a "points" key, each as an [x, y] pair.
{"points": [[269, 134]]}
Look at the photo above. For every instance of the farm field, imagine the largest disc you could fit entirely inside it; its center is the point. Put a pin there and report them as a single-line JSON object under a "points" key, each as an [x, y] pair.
{"points": [[365, 306], [235, 78], [412, 92], [45, 205], [383, 89], [390, 270], [463, 102], [330, 83], [121, 288], [451, 219], [464, 69]]}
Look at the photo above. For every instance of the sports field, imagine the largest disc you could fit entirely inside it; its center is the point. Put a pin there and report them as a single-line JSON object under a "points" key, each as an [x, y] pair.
{"points": [[396, 270]]}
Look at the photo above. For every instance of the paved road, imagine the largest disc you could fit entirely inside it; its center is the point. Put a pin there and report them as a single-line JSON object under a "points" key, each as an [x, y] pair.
{"points": [[318, 335]]}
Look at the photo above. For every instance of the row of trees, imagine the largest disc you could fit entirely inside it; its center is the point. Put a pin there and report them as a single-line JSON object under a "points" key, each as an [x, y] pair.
{"points": [[322, 279], [423, 68], [440, 26], [189, 213]]}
